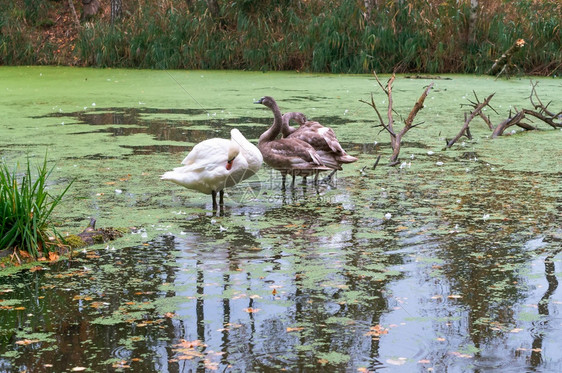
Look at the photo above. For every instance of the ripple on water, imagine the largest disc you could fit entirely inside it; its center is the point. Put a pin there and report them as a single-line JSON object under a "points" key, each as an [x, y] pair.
{"points": [[122, 353]]}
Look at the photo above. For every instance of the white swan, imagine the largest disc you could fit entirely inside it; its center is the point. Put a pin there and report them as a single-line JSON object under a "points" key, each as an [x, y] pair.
{"points": [[215, 164]]}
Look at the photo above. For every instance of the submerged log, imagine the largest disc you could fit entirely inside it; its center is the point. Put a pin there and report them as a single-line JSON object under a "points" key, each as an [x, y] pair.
{"points": [[93, 236]]}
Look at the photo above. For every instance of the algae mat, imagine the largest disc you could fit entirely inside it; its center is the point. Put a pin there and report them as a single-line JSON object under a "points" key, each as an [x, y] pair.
{"points": [[448, 261]]}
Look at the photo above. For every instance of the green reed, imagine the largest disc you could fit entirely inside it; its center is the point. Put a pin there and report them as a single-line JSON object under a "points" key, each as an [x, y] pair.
{"points": [[318, 36], [25, 209]]}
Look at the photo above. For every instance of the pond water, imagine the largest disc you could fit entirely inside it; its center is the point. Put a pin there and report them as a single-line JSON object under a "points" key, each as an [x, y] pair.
{"points": [[449, 262]]}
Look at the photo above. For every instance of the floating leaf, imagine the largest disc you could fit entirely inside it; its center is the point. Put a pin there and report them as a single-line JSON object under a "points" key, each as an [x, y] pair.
{"points": [[294, 329], [398, 361], [120, 364], [460, 354], [376, 331], [25, 342]]}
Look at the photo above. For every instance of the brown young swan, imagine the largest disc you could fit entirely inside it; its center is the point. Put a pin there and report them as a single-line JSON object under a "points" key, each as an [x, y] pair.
{"points": [[289, 155], [322, 138]]}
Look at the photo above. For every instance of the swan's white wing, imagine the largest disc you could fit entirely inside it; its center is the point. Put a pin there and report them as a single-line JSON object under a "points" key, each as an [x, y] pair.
{"points": [[207, 149], [249, 151]]}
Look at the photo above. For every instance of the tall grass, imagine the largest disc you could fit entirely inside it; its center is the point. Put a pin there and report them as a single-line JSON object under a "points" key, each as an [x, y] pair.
{"points": [[25, 210], [430, 36]]}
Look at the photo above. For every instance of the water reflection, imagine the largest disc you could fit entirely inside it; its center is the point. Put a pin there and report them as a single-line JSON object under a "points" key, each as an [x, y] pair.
{"points": [[272, 289]]}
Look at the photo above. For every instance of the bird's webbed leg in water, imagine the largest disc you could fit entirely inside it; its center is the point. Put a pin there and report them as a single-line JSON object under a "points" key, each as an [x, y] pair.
{"points": [[283, 178], [328, 178], [214, 196], [221, 197]]}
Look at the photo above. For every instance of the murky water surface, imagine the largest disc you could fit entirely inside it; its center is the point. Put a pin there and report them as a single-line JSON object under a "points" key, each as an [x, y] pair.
{"points": [[447, 263]]}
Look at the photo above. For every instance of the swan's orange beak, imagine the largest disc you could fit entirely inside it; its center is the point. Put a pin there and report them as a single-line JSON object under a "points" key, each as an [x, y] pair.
{"points": [[229, 164]]}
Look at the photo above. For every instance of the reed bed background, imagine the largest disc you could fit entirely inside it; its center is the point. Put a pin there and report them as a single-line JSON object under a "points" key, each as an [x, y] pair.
{"points": [[335, 36]]}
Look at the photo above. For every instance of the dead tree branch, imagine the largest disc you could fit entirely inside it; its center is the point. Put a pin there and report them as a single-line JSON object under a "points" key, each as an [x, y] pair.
{"points": [[500, 128], [541, 107], [540, 112], [396, 137], [503, 64], [478, 106]]}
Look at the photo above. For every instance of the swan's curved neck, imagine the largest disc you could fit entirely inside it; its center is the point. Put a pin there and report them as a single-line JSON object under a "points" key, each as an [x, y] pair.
{"points": [[275, 128], [286, 129]]}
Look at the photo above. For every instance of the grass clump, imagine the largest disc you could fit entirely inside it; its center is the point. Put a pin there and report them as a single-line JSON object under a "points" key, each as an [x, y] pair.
{"points": [[25, 210]]}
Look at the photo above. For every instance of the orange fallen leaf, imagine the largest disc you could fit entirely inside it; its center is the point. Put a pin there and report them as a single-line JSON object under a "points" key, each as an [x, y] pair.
{"points": [[96, 304], [294, 329], [376, 331], [25, 342], [24, 254], [252, 310], [121, 364], [53, 256]]}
